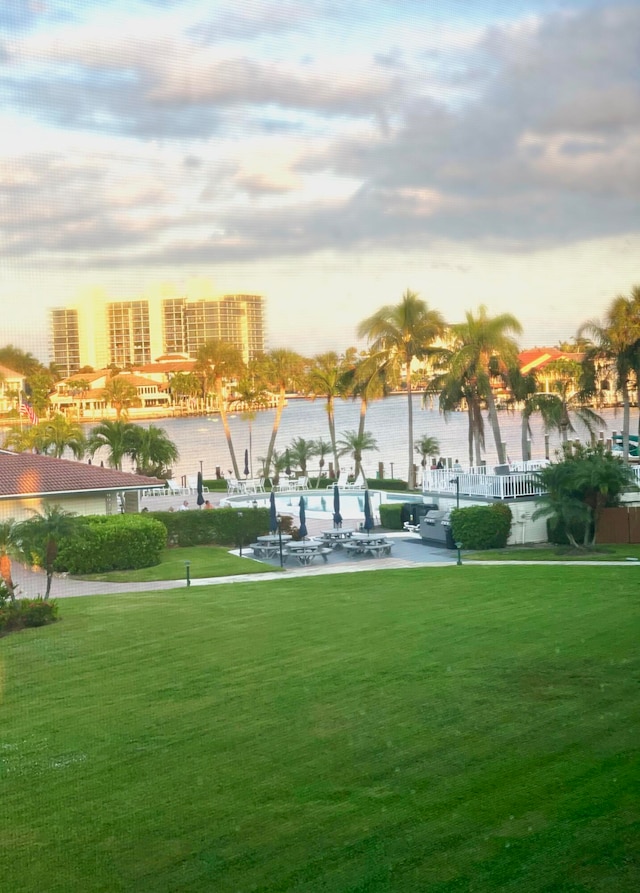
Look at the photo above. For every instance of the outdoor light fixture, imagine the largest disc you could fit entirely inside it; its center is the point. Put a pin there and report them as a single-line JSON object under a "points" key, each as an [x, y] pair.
{"points": [[255, 503], [187, 567], [240, 531], [279, 520], [201, 461], [458, 547], [456, 481]]}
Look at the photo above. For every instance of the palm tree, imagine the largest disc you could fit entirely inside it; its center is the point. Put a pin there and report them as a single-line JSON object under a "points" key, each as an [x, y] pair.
{"points": [[369, 377], [281, 369], [355, 444], [321, 448], [9, 548], [117, 437], [184, 385], [219, 363], [425, 447], [59, 434], [482, 345], [457, 389], [524, 393], [152, 451], [615, 341], [121, 395], [404, 332], [24, 439], [42, 534], [300, 451], [252, 397], [326, 379]]}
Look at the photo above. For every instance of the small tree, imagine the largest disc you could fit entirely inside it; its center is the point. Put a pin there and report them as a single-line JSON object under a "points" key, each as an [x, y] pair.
{"points": [[41, 535], [354, 444], [9, 547], [425, 447], [578, 487]]}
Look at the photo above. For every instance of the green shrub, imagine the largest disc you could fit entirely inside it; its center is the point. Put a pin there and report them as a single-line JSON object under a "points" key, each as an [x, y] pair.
{"points": [[557, 532], [387, 484], [112, 542], [221, 526], [216, 485], [25, 612], [481, 526], [391, 515]]}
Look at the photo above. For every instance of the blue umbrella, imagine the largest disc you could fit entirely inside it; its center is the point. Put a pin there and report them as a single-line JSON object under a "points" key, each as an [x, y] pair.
{"points": [[368, 517], [273, 516], [337, 517], [303, 519], [200, 499], [246, 463]]}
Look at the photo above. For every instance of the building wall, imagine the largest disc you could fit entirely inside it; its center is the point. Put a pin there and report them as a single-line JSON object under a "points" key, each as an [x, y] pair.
{"points": [[523, 528]]}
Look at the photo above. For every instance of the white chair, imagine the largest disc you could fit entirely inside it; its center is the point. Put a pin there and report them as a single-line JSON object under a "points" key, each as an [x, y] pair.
{"points": [[302, 483], [192, 484], [174, 489], [283, 485], [343, 481]]}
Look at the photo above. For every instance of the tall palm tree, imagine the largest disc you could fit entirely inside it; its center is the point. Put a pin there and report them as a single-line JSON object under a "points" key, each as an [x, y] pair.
{"points": [[152, 451], [404, 332], [524, 391], [121, 395], [326, 379], [220, 363], [42, 534], [321, 448], [369, 377], [457, 389], [251, 396], [118, 437], [281, 370], [614, 341], [355, 444], [482, 345], [59, 434]]}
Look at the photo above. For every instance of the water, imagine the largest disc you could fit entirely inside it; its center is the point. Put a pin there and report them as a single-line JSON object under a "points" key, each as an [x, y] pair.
{"points": [[318, 504], [202, 438]]}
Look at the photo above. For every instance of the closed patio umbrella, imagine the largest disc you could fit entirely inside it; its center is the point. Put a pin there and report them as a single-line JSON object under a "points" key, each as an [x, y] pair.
{"points": [[273, 515], [200, 499], [337, 517], [303, 519], [246, 463], [368, 517]]}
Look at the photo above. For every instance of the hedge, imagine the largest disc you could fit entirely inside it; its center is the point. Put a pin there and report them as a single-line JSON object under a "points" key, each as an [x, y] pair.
{"points": [[112, 542], [224, 527], [481, 526], [387, 484], [391, 515]]}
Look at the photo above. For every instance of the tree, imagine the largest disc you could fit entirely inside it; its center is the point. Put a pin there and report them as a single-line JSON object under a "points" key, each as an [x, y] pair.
{"points": [[41, 535], [455, 389], [614, 341], [566, 401], [121, 395], [219, 362], [118, 437], [355, 444], [321, 448], [59, 434], [578, 487], [281, 370], [251, 396], [152, 451], [425, 447], [482, 345], [23, 439], [300, 451], [368, 377], [524, 393], [404, 332], [9, 548], [326, 379]]}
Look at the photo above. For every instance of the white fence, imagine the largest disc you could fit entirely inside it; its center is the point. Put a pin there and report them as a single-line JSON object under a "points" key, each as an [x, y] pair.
{"points": [[477, 482]]}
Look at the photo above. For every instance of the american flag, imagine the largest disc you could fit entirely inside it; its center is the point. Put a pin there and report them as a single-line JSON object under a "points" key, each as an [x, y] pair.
{"points": [[26, 409]]}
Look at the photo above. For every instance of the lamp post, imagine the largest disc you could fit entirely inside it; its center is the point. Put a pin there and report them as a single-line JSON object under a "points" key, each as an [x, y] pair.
{"points": [[456, 481], [255, 503], [458, 547], [240, 531], [279, 520], [187, 567], [201, 461]]}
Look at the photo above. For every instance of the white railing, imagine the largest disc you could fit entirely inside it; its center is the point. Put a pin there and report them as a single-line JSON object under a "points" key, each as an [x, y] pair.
{"points": [[488, 486]]}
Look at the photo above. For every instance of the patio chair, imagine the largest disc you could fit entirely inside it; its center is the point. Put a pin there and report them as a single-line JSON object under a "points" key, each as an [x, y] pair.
{"points": [[342, 483], [192, 484], [302, 483], [174, 488]]}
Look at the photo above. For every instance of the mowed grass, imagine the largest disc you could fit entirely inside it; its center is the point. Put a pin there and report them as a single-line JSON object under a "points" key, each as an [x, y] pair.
{"points": [[442, 729], [204, 561], [613, 552]]}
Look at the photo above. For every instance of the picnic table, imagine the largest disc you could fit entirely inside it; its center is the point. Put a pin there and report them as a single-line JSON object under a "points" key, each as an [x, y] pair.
{"points": [[305, 551], [374, 545], [337, 536], [268, 546]]}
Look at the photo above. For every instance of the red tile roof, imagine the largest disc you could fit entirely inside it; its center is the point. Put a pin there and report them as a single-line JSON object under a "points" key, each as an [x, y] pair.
{"points": [[29, 474]]}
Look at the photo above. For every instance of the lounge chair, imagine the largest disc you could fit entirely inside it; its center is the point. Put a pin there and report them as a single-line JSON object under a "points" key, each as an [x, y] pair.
{"points": [[192, 484], [174, 489]]}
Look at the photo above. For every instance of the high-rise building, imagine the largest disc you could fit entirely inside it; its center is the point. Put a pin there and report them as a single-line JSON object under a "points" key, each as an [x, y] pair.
{"points": [[98, 332]]}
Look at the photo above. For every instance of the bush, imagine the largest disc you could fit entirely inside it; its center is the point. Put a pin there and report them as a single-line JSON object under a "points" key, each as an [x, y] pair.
{"points": [[387, 484], [221, 526], [112, 542], [557, 532], [481, 526], [391, 515], [25, 612]]}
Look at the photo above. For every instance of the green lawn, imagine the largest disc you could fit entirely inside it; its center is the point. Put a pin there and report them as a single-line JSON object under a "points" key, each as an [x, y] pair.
{"points": [[204, 561], [442, 729], [557, 553]]}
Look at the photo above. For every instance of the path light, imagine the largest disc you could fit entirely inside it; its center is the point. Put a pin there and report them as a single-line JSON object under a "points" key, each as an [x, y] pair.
{"points": [[201, 461], [456, 481], [187, 567], [255, 503], [458, 547]]}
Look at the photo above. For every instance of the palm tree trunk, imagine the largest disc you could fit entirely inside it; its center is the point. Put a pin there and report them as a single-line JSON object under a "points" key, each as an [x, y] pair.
{"points": [[332, 434], [625, 420], [524, 437], [410, 478], [470, 433], [225, 424], [274, 430], [495, 425], [363, 416]]}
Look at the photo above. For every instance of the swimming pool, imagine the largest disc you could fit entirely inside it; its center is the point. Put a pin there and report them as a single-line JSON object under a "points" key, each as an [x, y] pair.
{"points": [[319, 503]]}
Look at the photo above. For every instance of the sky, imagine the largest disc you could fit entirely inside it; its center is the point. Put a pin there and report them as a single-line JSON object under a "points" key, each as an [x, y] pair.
{"points": [[327, 155]]}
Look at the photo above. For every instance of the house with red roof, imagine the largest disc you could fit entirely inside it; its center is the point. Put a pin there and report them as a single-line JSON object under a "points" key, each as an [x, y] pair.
{"points": [[28, 481]]}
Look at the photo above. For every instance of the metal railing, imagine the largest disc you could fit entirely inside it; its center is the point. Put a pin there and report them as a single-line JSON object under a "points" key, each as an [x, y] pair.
{"points": [[487, 486]]}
